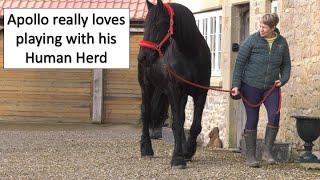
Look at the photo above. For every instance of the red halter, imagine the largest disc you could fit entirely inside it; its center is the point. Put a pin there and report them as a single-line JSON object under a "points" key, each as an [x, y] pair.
{"points": [[155, 46]]}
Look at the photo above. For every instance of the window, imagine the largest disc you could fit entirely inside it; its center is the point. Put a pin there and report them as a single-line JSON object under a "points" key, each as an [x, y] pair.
{"points": [[274, 6], [210, 26]]}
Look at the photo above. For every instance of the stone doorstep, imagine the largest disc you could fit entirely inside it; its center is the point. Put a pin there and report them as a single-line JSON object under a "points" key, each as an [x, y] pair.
{"points": [[281, 151]]}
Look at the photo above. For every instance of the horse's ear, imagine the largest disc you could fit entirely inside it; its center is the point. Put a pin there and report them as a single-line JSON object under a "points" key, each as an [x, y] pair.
{"points": [[160, 3], [149, 4]]}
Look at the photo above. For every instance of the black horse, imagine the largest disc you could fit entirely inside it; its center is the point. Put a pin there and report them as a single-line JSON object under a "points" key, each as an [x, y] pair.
{"points": [[183, 50]]}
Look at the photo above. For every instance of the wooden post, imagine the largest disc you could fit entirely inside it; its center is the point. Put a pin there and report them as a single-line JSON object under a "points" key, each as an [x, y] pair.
{"points": [[97, 102]]}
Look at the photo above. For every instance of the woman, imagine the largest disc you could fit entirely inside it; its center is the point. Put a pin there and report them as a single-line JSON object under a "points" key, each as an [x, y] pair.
{"points": [[263, 62]]}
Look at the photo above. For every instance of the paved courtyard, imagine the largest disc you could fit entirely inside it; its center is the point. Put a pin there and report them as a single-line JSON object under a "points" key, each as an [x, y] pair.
{"points": [[88, 151]]}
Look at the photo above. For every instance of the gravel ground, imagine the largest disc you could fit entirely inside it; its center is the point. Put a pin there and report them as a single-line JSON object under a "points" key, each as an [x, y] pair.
{"points": [[87, 151]]}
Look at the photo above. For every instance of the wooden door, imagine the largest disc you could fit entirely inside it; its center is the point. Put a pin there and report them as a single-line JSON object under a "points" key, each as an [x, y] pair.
{"points": [[240, 109]]}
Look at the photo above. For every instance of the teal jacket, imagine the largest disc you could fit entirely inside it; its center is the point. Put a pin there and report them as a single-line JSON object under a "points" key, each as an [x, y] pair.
{"points": [[259, 66]]}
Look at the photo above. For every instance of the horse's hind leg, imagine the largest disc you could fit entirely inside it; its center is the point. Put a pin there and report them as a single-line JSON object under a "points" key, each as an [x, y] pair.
{"points": [[199, 102]]}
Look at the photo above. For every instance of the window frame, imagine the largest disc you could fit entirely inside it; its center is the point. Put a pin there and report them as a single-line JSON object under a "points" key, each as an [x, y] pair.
{"points": [[204, 21]]}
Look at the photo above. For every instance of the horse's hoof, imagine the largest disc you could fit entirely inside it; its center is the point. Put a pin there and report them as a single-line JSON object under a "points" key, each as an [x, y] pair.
{"points": [[178, 163], [148, 153], [179, 167], [147, 157], [188, 157]]}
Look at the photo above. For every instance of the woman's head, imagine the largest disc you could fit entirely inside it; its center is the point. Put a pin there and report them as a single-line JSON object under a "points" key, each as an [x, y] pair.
{"points": [[268, 23]]}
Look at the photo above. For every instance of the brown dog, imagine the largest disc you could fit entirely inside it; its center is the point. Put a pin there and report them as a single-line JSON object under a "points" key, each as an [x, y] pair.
{"points": [[215, 140]]}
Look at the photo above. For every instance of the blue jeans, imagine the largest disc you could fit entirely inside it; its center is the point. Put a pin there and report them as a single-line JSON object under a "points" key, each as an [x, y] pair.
{"points": [[254, 96]]}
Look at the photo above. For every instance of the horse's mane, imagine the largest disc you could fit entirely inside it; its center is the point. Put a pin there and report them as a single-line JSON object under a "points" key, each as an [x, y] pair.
{"points": [[186, 32]]}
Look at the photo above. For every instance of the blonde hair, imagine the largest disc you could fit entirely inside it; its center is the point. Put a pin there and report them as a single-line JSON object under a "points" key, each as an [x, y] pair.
{"points": [[271, 20]]}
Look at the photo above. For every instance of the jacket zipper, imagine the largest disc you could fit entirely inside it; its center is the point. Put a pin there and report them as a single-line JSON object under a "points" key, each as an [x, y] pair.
{"points": [[269, 49]]}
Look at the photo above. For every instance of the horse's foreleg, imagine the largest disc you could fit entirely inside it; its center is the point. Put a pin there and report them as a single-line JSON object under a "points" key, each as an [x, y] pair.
{"points": [[178, 111], [159, 113], [145, 143], [199, 102]]}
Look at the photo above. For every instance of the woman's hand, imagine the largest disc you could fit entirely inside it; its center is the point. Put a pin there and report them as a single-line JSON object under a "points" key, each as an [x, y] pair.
{"points": [[234, 91], [277, 83]]}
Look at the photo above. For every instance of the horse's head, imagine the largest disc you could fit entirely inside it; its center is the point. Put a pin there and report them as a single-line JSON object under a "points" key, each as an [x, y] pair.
{"points": [[156, 27]]}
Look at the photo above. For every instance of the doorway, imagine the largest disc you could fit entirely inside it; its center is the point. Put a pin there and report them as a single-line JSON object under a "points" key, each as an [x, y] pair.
{"points": [[240, 113]]}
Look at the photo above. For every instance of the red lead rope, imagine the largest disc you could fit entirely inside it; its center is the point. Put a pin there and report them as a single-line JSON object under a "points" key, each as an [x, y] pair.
{"points": [[264, 99], [171, 71]]}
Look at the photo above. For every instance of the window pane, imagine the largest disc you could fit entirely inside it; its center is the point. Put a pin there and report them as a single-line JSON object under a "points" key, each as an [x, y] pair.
{"points": [[219, 61], [215, 27], [214, 43], [205, 26], [220, 26], [212, 25], [213, 61], [219, 43], [211, 43]]}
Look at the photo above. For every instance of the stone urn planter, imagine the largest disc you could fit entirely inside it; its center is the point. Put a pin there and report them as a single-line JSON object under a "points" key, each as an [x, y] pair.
{"points": [[309, 130]]}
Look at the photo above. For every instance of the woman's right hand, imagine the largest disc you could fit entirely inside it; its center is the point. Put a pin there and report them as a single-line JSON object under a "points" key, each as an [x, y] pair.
{"points": [[234, 91]]}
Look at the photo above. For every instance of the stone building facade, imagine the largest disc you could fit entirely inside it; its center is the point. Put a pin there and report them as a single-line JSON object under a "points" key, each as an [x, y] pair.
{"points": [[299, 24]]}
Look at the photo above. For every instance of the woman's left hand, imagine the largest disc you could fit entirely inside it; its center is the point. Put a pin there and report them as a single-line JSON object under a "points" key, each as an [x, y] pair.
{"points": [[277, 83]]}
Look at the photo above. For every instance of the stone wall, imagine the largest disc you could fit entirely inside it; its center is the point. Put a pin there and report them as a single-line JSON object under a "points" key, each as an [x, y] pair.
{"points": [[213, 116], [300, 24], [301, 95]]}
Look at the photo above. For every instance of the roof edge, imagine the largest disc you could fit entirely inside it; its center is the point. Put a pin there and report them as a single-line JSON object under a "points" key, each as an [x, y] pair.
{"points": [[135, 25]]}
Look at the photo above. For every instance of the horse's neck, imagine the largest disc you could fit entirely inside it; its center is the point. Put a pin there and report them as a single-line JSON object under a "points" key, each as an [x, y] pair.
{"points": [[175, 51], [179, 47]]}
